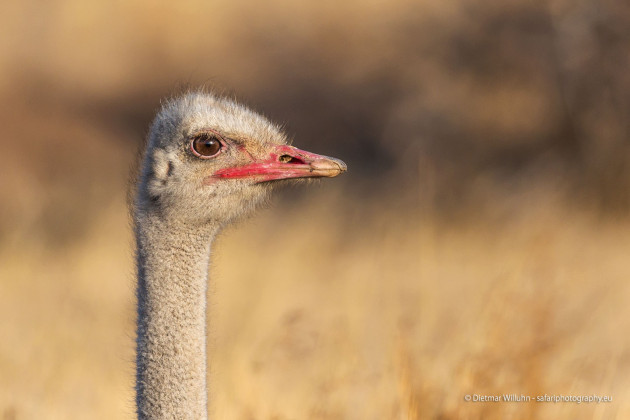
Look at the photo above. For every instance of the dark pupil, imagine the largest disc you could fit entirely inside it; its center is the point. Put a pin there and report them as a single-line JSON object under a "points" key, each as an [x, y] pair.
{"points": [[206, 146]]}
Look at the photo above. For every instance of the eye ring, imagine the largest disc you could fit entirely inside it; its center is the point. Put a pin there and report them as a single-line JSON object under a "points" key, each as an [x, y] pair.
{"points": [[206, 145]]}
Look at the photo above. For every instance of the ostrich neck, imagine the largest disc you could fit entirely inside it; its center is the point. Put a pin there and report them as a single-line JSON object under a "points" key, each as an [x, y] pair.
{"points": [[171, 338]]}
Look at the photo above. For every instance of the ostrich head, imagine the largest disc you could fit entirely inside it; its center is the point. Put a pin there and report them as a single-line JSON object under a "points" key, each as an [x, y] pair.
{"points": [[211, 160]]}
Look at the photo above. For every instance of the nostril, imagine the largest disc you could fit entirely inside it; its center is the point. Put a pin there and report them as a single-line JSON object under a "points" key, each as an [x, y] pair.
{"points": [[290, 159]]}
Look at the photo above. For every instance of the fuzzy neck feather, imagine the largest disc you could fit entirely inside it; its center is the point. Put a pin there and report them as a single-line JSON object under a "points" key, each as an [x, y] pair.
{"points": [[172, 260]]}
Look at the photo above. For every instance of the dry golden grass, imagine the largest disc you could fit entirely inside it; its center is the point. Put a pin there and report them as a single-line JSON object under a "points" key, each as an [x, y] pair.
{"points": [[320, 311]]}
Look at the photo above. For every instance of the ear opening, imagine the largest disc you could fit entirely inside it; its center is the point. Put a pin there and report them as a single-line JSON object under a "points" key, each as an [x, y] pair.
{"points": [[162, 165]]}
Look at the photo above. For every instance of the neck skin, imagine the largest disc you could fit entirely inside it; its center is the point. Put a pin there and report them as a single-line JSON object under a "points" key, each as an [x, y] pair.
{"points": [[172, 263]]}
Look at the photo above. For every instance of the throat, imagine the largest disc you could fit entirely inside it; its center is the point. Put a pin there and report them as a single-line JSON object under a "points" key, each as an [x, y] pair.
{"points": [[172, 264]]}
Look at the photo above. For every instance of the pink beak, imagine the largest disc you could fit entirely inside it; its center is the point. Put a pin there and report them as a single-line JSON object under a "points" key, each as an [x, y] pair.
{"points": [[286, 162]]}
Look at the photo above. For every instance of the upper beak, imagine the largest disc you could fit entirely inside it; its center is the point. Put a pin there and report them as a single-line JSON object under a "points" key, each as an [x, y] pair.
{"points": [[286, 162]]}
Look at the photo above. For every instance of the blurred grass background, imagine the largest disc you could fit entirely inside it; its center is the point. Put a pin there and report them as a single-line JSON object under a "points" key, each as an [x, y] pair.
{"points": [[478, 244]]}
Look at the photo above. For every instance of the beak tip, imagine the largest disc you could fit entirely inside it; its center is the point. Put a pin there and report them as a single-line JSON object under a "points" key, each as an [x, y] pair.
{"points": [[341, 167], [331, 166]]}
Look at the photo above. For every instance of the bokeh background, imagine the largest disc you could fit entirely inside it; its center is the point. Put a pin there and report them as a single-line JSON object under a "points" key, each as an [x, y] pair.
{"points": [[479, 243]]}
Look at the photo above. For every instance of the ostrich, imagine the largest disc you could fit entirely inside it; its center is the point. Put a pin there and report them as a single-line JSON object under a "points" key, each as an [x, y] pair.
{"points": [[208, 161]]}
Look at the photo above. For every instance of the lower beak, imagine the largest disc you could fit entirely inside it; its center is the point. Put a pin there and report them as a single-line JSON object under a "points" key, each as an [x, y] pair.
{"points": [[286, 162]]}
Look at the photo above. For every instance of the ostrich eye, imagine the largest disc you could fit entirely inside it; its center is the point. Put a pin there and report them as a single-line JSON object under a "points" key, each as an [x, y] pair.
{"points": [[205, 145]]}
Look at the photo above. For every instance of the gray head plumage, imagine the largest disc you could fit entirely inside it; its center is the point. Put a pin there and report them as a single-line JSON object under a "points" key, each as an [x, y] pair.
{"points": [[182, 174]]}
